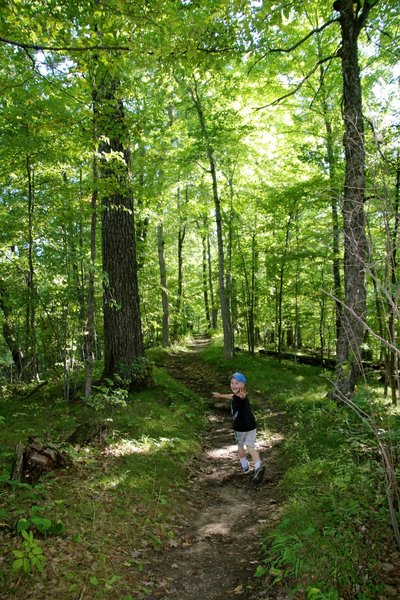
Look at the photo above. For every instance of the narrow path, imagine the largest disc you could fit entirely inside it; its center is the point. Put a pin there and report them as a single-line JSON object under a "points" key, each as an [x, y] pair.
{"points": [[218, 549]]}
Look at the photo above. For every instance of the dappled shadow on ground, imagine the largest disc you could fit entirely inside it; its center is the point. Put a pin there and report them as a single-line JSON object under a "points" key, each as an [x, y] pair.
{"points": [[217, 551]]}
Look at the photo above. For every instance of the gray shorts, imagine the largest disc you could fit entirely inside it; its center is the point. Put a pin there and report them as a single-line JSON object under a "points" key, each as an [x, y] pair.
{"points": [[246, 438]]}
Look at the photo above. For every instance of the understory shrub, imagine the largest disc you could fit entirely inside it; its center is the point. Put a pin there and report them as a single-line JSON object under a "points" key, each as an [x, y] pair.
{"points": [[328, 540]]}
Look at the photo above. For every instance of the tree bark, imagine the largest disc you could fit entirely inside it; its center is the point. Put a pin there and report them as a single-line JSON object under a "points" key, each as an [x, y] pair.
{"points": [[123, 340], [352, 327]]}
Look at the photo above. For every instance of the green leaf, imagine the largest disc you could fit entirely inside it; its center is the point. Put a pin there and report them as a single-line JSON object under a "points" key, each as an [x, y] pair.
{"points": [[41, 523], [17, 564], [27, 535], [26, 565], [260, 571], [22, 525]]}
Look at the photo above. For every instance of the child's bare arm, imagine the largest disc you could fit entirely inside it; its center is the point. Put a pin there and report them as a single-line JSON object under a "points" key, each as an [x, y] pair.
{"points": [[222, 396]]}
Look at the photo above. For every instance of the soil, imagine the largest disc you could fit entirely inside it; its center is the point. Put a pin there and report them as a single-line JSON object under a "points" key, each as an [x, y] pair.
{"points": [[218, 550]]}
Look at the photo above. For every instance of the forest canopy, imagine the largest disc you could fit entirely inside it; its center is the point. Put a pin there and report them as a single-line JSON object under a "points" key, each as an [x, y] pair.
{"points": [[180, 167]]}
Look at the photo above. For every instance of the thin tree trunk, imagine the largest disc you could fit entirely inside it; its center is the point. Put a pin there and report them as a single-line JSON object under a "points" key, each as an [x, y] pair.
{"points": [[225, 310], [334, 195], [229, 270], [163, 284], [31, 363], [393, 308], [204, 270], [90, 328], [280, 290], [214, 309], [252, 333], [181, 240]]}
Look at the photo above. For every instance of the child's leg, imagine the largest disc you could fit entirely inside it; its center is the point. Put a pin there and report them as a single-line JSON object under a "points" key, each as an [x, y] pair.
{"points": [[242, 453], [251, 443], [255, 457]]}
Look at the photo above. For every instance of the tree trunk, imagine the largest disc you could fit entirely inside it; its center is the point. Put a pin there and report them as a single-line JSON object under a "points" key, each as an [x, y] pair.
{"points": [[31, 358], [205, 278], [280, 291], [394, 295], [214, 309], [163, 285], [91, 331], [352, 325], [123, 341], [181, 240], [225, 310]]}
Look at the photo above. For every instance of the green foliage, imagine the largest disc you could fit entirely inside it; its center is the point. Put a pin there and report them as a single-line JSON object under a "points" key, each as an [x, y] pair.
{"points": [[31, 557], [108, 584], [141, 374], [105, 398], [133, 484], [336, 508], [39, 523]]}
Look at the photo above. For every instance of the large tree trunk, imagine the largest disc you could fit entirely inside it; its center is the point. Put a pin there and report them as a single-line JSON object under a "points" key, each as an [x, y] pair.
{"points": [[352, 326], [123, 341]]}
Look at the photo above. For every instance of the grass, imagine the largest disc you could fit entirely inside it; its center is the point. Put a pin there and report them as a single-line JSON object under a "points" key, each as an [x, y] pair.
{"points": [[121, 501], [116, 503]]}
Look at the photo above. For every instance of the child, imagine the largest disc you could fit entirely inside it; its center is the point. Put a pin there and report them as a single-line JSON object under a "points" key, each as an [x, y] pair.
{"points": [[244, 425]]}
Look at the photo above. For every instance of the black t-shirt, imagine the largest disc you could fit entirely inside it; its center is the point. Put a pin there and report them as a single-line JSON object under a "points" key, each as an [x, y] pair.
{"points": [[242, 417]]}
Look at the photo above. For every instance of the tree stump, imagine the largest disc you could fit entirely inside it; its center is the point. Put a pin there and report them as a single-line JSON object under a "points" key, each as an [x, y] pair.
{"points": [[35, 458]]}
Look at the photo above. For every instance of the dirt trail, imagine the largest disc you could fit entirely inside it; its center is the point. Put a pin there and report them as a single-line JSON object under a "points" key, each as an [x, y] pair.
{"points": [[218, 549]]}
